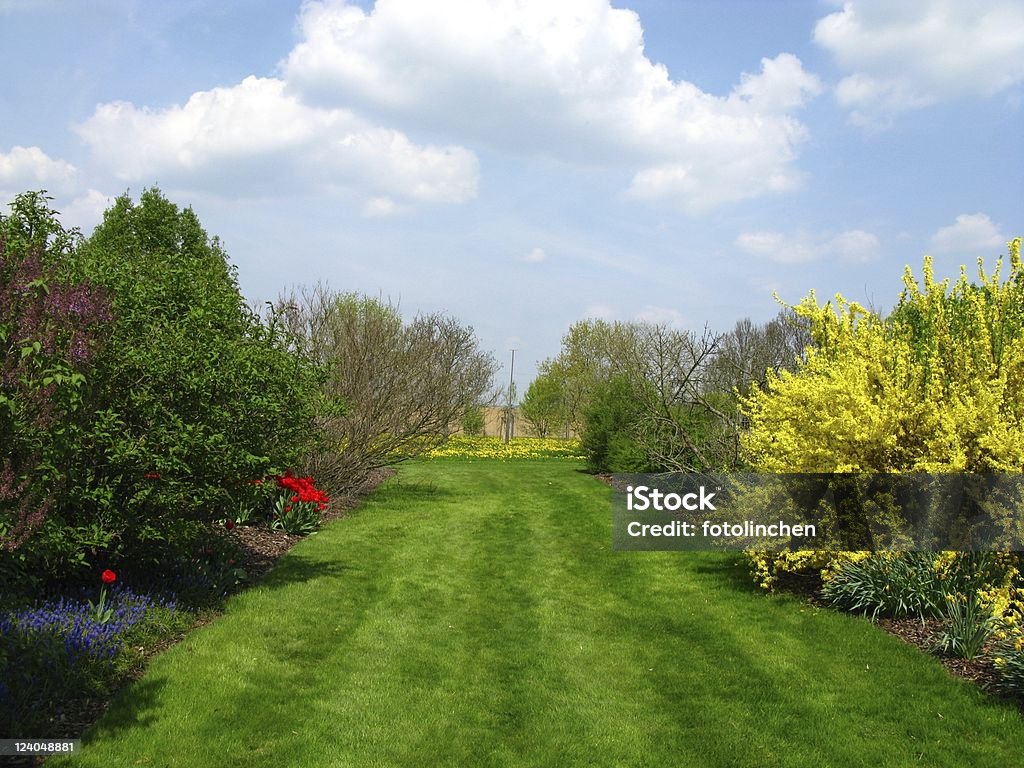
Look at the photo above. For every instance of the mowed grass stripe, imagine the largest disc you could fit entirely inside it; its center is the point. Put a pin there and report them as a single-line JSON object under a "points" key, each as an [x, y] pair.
{"points": [[473, 613]]}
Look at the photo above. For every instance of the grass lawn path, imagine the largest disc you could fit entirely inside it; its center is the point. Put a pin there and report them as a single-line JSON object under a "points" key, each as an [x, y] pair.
{"points": [[472, 613]]}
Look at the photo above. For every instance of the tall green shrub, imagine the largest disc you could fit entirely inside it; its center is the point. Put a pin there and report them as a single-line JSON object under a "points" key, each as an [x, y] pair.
{"points": [[610, 438], [193, 395]]}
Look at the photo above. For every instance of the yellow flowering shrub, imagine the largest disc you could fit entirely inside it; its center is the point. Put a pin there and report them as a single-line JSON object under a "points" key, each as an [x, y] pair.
{"points": [[938, 386], [769, 567]]}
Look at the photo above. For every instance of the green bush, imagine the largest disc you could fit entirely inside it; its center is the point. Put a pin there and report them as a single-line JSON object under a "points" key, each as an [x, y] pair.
{"points": [[912, 584], [609, 429], [473, 421], [968, 626], [1009, 662], [887, 584], [192, 395]]}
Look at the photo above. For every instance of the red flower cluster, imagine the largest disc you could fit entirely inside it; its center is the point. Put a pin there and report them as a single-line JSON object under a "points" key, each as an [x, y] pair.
{"points": [[303, 490]]}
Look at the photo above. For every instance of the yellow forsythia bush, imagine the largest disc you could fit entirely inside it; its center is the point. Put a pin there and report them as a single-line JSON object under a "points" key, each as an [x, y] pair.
{"points": [[938, 386], [935, 387]]}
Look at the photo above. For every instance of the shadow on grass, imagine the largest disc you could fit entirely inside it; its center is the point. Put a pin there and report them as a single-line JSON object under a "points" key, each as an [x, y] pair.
{"points": [[296, 567], [729, 569], [398, 490], [135, 706]]}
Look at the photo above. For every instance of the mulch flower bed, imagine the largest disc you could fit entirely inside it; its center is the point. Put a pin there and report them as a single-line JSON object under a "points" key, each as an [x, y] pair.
{"points": [[921, 634], [262, 547]]}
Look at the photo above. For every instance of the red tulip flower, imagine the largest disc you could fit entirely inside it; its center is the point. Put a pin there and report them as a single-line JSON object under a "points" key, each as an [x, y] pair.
{"points": [[108, 576]]}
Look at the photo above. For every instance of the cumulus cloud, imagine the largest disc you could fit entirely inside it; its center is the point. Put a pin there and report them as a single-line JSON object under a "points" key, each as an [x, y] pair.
{"points": [[567, 80], [853, 246], [29, 168], [254, 138], [86, 210], [902, 56], [972, 234]]}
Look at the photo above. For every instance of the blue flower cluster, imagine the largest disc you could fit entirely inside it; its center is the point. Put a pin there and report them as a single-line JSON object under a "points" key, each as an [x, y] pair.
{"points": [[60, 651], [75, 623]]}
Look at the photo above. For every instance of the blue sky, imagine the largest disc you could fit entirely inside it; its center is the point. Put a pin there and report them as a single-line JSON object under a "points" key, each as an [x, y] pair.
{"points": [[523, 165]]}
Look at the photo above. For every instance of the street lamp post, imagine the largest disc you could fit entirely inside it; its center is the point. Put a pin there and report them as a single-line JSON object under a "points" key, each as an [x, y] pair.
{"points": [[509, 413]]}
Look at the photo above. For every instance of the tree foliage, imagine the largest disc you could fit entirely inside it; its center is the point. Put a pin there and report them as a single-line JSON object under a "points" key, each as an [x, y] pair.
{"points": [[473, 421], [192, 396], [935, 387], [643, 395], [542, 405], [50, 330]]}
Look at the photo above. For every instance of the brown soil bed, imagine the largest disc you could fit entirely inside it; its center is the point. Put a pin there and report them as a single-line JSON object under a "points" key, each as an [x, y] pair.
{"points": [[922, 635]]}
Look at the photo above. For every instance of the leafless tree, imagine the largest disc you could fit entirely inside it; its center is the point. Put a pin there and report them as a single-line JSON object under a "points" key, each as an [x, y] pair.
{"points": [[684, 424], [393, 388], [749, 351]]}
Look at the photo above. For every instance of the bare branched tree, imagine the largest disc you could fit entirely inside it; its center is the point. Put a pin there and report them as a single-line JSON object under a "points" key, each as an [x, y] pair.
{"points": [[681, 426], [749, 351], [394, 388]]}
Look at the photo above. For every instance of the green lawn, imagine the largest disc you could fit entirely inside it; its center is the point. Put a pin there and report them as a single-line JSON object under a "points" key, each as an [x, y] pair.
{"points": [[472, 613]]}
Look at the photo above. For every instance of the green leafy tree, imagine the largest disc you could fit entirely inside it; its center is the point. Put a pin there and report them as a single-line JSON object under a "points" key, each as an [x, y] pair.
{"points": [[543, 405], [473, 421], [611, 429], [592, 351]]}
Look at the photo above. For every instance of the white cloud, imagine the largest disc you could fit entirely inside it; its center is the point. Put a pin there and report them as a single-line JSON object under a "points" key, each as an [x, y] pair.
{"points": [[902, 56], [673, 318], [567, 79], [86, 210], [536, 256], [855, 245], [777, 247], [29, 168], [971, 234], [254, 138]]}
